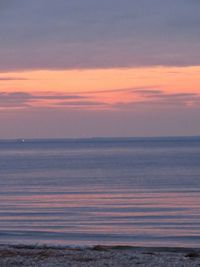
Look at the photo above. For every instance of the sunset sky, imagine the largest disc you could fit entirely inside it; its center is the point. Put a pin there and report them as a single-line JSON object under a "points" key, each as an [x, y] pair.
{"points": [[85, 68]]}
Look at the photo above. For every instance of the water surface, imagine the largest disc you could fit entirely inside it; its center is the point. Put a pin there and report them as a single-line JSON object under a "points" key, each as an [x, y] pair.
{"points": [[101, 191]]}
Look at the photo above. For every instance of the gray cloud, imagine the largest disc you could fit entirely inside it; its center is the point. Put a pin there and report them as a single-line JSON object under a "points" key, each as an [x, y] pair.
{"points": [[148, 92], [13, 100], [149, 98], [22, 99], [138, 90], [82, 104], [52, 100], [107, 33], [4, 79], [162, 99]]}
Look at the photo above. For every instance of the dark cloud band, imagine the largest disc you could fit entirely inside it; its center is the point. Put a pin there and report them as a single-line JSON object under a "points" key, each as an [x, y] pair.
{"points": [[64, 34]]}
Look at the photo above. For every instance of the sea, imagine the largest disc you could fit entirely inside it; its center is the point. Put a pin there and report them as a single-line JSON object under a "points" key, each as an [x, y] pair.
{"points": [[100, 191]]}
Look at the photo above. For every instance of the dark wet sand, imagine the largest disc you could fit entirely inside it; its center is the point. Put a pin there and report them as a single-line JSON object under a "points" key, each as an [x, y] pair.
{"points": [[97, 256]]}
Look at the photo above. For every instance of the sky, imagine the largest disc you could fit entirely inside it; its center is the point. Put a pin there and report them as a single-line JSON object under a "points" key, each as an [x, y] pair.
{"points": [[74, 68]]}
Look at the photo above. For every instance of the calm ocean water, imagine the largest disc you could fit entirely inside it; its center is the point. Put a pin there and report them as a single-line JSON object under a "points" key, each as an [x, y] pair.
{"points": [[101, 191]]}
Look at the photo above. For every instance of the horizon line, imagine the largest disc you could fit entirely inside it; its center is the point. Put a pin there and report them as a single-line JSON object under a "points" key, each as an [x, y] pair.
{"points": [[18, 139]]}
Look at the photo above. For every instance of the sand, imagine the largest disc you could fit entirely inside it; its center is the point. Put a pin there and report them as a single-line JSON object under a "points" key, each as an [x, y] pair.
{"points": [[97, 256]]}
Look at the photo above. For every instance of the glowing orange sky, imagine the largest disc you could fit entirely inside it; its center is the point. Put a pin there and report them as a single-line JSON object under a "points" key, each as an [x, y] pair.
{"points": [[184, 79], [105, 85]]}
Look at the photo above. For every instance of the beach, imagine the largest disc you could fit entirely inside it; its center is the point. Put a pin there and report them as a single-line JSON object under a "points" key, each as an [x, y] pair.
{"points": [[97, 256]]}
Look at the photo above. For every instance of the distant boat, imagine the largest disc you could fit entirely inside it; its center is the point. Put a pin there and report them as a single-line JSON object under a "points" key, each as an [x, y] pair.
{"points": [[23, 141]]}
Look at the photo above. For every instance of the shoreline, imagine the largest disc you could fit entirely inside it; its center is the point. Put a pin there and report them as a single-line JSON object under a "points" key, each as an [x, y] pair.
{"points": [[97, 256], [99, 247]]}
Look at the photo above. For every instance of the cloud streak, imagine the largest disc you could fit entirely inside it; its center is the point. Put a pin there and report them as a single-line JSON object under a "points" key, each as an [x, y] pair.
{"points": [[139, 98], [153, 98], [5, 79], [24, 100]]}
